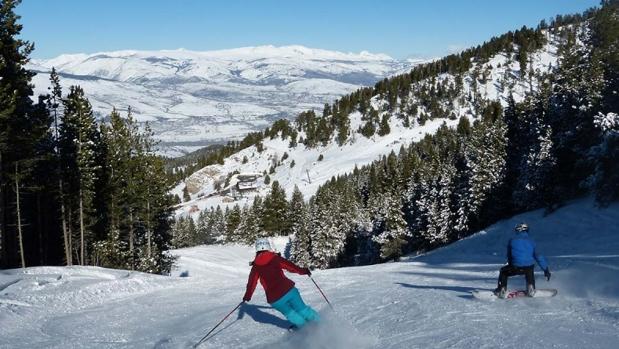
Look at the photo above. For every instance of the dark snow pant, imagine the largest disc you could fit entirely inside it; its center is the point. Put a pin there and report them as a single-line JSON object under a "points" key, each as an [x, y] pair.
{"points": [[510, 270]]}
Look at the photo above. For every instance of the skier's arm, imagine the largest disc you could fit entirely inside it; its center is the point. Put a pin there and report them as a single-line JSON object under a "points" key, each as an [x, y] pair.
{"points": [[252, 281], [509, 252], [291, 267]]}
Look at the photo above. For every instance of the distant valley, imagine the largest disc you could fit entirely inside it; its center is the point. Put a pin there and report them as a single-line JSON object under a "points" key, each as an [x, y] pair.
{"points": [[193, 99]]}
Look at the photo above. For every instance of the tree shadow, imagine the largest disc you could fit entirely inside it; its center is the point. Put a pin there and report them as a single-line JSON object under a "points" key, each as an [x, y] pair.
{"points": [[445, 276], [461, 289], [258, 315], [459, 265]]}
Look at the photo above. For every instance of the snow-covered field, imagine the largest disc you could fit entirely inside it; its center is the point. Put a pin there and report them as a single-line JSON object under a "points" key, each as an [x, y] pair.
{"points": [[421, 302]]}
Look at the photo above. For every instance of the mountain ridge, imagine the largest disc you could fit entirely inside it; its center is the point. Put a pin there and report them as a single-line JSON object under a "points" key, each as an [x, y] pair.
{"points": [[206, 97], [260, 51], [495, 78]]}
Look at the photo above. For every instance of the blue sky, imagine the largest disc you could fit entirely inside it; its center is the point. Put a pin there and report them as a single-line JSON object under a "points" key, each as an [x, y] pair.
{"points": [[400, 28]]}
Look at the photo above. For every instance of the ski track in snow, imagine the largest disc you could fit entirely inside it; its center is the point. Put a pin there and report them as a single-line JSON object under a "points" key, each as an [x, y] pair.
{"points": [[420, 302]]}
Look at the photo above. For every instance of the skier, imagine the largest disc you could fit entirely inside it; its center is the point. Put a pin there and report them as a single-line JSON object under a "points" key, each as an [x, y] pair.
{"points": [[521, 258], [280, 291]]}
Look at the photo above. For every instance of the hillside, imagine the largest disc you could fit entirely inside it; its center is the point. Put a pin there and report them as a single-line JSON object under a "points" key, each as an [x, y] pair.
{"points": [[421, 302], [417, 113], [526, 120], [192, 99]]}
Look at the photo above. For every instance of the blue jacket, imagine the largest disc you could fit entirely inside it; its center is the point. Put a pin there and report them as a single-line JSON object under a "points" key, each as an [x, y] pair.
{"points": [[521, 252]]}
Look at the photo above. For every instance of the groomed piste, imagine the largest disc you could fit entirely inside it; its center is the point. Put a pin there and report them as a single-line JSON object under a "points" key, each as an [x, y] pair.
{"points": [[421, 302]]}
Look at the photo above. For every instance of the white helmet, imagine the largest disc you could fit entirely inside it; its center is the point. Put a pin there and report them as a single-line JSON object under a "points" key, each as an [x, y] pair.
{"points": [[522, 227], [263, 244]]}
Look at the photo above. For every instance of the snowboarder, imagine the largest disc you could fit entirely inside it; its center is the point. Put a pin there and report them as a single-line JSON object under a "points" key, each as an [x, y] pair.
{"points": [[521, 258], [280, 291]]}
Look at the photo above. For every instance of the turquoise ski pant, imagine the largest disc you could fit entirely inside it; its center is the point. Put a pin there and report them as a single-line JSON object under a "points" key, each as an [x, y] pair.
{"points": [[293, 308]]}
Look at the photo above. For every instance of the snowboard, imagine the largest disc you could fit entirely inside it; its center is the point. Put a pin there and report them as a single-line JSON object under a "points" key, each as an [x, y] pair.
{"points": [[539, 293]]}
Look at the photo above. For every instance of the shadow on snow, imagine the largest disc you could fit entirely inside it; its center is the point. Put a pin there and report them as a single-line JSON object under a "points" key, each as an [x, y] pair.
{"points": [[258, 315]]}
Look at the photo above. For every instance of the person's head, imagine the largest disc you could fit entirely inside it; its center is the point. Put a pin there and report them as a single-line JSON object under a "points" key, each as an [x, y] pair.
{"points": [[522, 227], [263, 244]]}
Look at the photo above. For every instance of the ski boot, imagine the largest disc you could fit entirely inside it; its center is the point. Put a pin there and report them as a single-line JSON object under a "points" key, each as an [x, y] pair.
{"points": [[500, 292], [530, 290]]}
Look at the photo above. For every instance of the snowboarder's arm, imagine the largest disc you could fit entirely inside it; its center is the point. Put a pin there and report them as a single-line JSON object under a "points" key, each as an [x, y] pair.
{"points": [[252, 281], [541, 260], [291, 267]]}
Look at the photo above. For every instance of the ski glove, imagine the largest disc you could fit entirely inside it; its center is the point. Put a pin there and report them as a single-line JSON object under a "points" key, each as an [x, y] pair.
{"points": [[308, 272], [547, 274], [246, 299]]}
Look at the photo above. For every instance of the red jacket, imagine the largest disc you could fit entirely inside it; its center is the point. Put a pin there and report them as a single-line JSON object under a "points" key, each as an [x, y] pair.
{"points": [[268, 268]]}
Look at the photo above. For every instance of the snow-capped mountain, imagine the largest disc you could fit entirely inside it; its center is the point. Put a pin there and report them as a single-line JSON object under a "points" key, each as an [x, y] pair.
{"points": [[192, 99]]}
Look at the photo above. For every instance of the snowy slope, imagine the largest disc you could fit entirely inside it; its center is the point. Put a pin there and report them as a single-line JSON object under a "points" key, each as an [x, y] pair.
{"points": [[307, 173], [194, 98], [495, 79], [422, 302]]}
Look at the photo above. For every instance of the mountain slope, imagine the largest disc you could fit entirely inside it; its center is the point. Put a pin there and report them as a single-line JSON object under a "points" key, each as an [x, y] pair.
{"points": [[420, 302], [193, 98], [420, 108]]}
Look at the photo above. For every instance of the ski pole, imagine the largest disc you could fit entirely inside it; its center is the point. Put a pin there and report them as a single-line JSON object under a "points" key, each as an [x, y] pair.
{"points": [[322, 293], [220, 322]]}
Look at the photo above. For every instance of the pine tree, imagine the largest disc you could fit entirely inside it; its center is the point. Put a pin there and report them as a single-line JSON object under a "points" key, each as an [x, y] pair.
{"points": [[446, 217], [327, 241], [383, 128], [390, 221], [23, 127], [535, 170], [298, 216], [321, 256], [155, 208], [112, 252], [343, 127], [296, 209], [427, 211], [233, 218], [605, 65], [218, 224], [184, 233], [249, 228], [485, 161], [605, 179], [204, 228], [54, 104], [574, 101], [79, 137], [275, 211]]}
